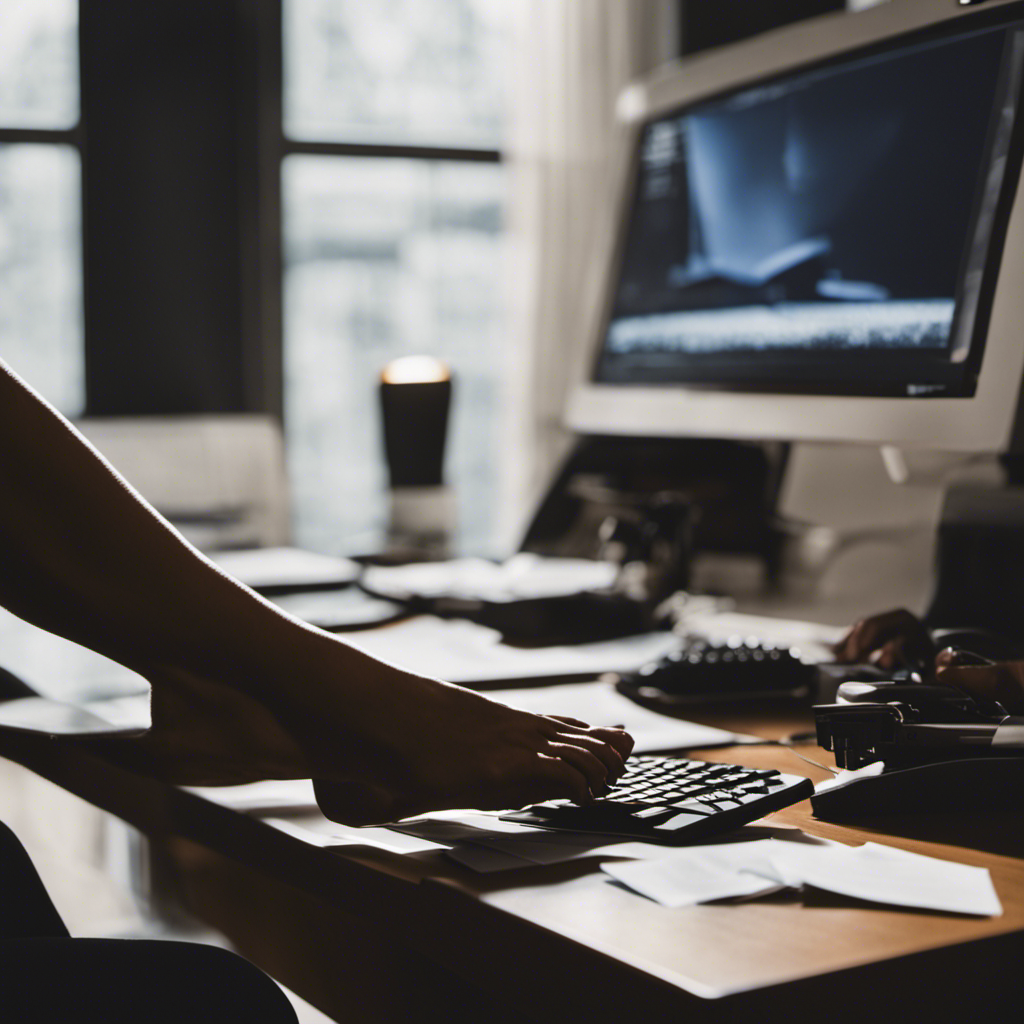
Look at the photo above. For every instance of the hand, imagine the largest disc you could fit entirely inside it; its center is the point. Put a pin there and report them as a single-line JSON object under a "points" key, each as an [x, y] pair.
{"points": [[891, 640], [1002, 682]]}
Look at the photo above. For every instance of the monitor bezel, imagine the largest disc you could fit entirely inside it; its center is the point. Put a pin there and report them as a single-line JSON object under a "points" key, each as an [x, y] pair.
{"points": [[979, 422]]}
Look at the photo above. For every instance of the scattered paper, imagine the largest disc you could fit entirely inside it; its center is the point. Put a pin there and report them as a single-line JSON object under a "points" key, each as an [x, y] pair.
{"points": [[285, 567], [601, 704], [688, 877], [350, 608], [848, 776], [327, 834], [484, 860], [461, 828], [877, 874], [525, 844], [464, 652], [274, 796], [882, 874], [559, 847], [523, 577]]}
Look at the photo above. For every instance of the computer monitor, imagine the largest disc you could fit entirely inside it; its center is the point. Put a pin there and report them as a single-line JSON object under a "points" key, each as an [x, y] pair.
{"points": [[820, 236]]}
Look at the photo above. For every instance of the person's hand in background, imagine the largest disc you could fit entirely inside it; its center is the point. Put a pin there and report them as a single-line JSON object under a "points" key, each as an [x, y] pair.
{"points": [[996, 681], [891, 640]]}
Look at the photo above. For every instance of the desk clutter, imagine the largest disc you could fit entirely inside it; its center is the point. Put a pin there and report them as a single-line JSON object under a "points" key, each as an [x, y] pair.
{"points": [[871, 872], [745, 865]]}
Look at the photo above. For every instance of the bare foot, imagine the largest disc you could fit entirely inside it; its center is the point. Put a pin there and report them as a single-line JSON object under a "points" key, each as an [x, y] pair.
{"points": [[380, 743]]}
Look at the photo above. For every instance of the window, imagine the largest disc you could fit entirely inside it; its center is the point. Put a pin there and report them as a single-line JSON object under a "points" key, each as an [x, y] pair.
{"points": [[393, 226], [40, 199]]}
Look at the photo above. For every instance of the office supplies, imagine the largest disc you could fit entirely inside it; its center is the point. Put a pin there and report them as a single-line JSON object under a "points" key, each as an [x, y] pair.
{"points": [[674, 801], [784, 263], [931, 748], [906, 724]]}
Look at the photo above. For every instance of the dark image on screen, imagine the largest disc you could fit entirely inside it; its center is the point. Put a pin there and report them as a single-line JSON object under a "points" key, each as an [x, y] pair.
{"points": [[822, 231]]}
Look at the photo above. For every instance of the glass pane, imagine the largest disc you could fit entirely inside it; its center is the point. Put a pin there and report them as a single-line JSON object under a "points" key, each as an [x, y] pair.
{"points": [[426, 72], [40, 270], [38, 63], [387, 258]]}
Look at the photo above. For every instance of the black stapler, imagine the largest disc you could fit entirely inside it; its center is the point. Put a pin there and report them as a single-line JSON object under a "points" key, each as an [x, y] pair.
{"points": [[911, 746]]}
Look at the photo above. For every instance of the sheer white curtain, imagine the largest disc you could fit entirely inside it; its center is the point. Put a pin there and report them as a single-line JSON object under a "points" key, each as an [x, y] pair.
{"points": [[573, 58]]}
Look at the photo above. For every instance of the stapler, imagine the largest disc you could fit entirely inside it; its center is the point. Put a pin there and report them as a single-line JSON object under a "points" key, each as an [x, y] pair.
{"points": [[937, 748]]}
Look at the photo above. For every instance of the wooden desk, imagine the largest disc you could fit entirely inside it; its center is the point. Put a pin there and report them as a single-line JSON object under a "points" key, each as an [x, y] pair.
{"points": [[369, 935]]}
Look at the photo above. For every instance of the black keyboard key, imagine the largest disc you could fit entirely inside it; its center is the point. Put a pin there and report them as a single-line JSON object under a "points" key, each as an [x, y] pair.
{"points": [[674, 801]]}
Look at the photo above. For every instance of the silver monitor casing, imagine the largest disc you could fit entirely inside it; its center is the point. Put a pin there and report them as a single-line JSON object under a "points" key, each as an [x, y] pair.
{"points": [[982, 423]]}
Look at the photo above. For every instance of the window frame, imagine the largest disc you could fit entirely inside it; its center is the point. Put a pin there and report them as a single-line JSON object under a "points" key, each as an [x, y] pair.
{"points": [[274, 148], [74, 137]]}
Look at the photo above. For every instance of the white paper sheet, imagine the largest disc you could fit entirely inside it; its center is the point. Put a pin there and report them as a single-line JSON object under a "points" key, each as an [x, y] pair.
{"points": [[878, 874], [285, 567], [465, 827], [463, 652], [329, 834], [524, 843], [602, 704], [689, 877], [484, 860], [698, 874], [882, 874], [272, 796], [524, 576], [559, 847]]}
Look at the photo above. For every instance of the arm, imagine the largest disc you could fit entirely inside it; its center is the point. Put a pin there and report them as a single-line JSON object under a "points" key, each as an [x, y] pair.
{"points": [[241, 690]]}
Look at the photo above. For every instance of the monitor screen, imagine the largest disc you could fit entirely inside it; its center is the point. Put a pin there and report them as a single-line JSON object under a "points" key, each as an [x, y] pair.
{"points": [[831, 230]]}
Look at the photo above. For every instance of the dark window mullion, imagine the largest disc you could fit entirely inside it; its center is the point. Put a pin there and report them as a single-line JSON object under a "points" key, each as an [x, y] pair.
{"points": [[360, 149], [46, 136]]}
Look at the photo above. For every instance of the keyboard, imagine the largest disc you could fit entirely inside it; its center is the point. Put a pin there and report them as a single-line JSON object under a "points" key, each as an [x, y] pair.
{"points": [[672, 800], [702, 669]]}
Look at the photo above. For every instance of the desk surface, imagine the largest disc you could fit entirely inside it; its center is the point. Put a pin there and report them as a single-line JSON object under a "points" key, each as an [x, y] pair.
{"points": [[562, 940]]}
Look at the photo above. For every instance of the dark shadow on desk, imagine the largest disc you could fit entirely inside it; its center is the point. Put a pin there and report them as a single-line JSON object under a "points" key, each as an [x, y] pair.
{"points": [[1001, 833]]}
